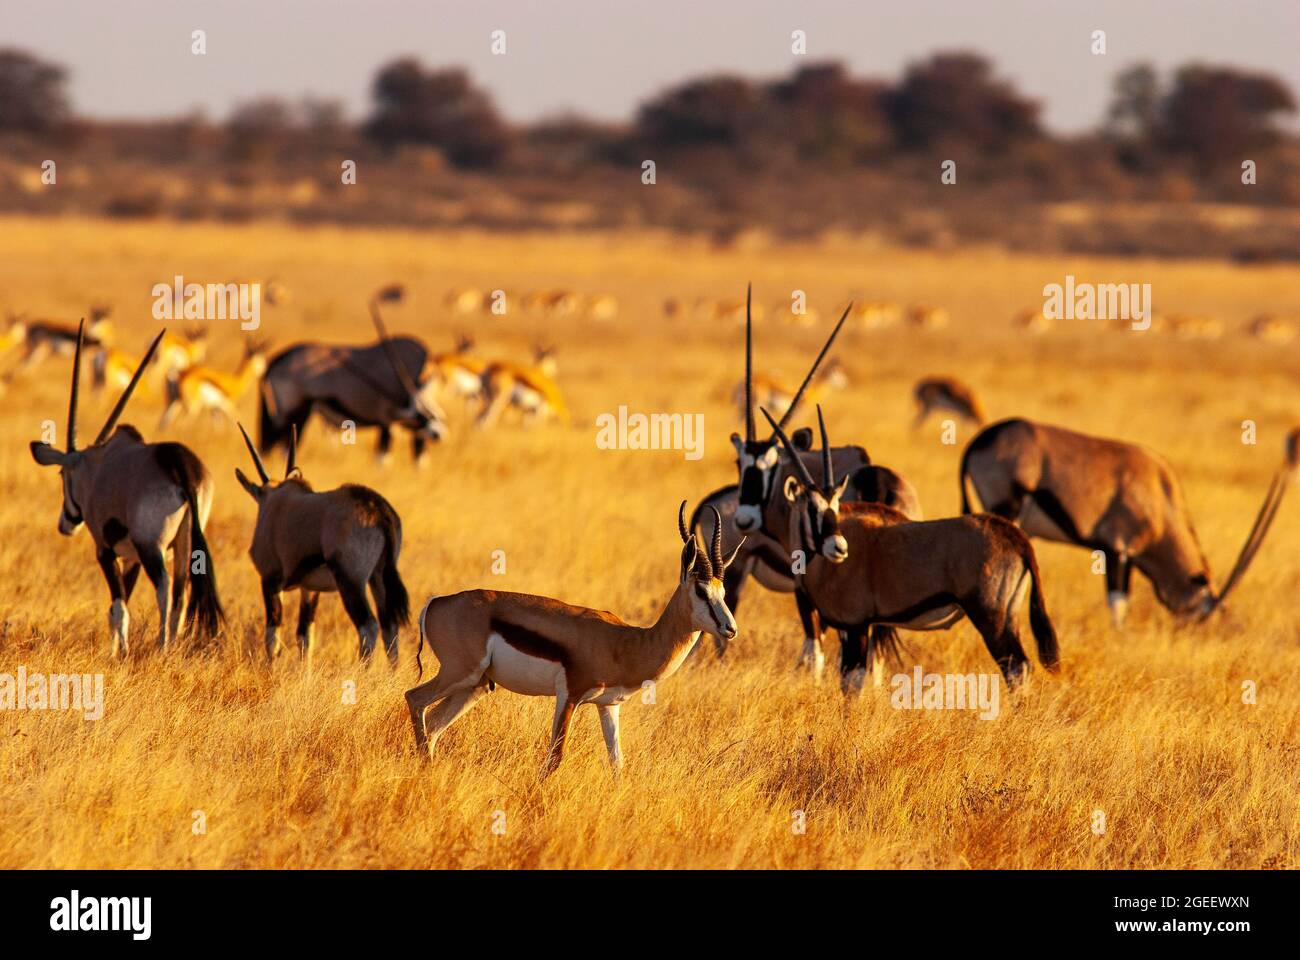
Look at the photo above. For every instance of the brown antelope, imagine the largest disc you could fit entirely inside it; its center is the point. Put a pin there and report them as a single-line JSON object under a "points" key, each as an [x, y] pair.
{"points": [[877, 315], [729, 310], [946, 393], [1193, 326], [530, 390], [463, 300], [759, 473], [1271, 328], [15, 333], [43, 338], [925, 317], [112, 369], [1106, 495], [198, 390], [541, 647], [552, 303], [371, 386], [1032, 321], [773, 393], [140, 500], [460, 372], [180, 351], [783, 310], [337, 541], [866, 565]]}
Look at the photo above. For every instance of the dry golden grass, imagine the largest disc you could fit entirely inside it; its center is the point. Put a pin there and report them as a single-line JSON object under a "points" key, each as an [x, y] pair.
{"points": [[1147, 726]]}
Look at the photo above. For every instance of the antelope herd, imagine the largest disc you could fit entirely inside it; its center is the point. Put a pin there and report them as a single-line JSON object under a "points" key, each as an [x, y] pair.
{"points": [[845, 535]]}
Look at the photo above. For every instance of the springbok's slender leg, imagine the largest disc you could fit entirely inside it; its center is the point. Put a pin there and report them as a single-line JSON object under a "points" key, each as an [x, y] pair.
{"points": [[418, 700], [357, 607], [307, 601], [609, 727], [119, 621], [450, 710], [559, 733], [274, 616], [155, 568], [495, 404], [812, 655]]}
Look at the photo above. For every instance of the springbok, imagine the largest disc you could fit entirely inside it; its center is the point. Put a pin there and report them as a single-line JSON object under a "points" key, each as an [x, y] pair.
{"points": [[1111, 496], [43, 338], [867, 565], [371, 386], [771, 392], [552, 303], [925, 317], [759, 473], [876, 315], [140, 500], [530, 390], [180, 351], [601, 306], [463, 300], [338, 541], [946, 393], [541, 647], [1032, 320], [460, 372], [15, 333], [1271, 328], [197, 390], [112, 369]]}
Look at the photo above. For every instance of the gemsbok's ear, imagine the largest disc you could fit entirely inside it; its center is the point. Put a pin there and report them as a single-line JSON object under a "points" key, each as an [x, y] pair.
{"points": [[802, 438], [839, 490], [737, 443], [46, 455], [791, 488], [253, 489]]}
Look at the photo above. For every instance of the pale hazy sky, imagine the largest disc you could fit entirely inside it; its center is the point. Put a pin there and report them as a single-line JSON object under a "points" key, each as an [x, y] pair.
{"points": [[131, 58]]}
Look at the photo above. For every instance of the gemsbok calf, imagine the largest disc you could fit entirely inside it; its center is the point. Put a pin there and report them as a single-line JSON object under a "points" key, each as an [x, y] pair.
{"points": [[760, 472], [338, 541], [140, 501], [541, 647], [867, 565], [1111, 496]]}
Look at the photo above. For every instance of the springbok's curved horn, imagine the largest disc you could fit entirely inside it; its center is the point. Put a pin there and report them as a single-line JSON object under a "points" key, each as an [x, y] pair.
{"points": [[76, 387], [291, 464], [1264, 519], [789, 411], [681, 523], [715, 556], [111, 422], [795, 460], [828, 472], [257, 459], [749, 364]]}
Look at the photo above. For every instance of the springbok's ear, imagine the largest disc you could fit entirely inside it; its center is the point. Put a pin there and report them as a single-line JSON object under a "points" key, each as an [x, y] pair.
{"points": [[731, 559], [791, 488], [46, 455], [802, 438], [253, 489]]}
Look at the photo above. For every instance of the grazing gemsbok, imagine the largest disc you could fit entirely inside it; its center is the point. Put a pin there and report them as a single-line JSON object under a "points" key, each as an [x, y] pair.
{"points": [[140, 500], [760, 472], [946, 393], [338, 541], [371, 386], [1106, 495], [868, 565], [541, 647]]}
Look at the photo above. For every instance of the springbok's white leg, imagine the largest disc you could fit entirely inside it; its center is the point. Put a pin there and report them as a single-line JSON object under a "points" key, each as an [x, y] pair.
{"points": [[609, 727], [450, 710], [419, 699]]}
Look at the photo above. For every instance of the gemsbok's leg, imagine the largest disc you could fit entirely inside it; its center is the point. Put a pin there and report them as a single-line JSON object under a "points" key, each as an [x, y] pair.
{"points": [[812, 656], [274, 616], [609, 727], [559, 733], [119, 621], [155, 568], [855, 653], [1001, 638], [181, 561], [353, 595], [307, 601], [1117, 582], [384, 445]]}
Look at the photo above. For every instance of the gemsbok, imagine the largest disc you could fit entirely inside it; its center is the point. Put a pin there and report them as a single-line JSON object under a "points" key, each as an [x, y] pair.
{"points": [[540, 647], [866, 565], [337, 541], [198, 390], [760, 472], [140, 501], [366, 386], [1111, 496], [946, 393]]}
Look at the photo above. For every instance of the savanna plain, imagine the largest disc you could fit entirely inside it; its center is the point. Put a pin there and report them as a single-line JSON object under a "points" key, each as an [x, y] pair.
{"points": [[219, 760]]}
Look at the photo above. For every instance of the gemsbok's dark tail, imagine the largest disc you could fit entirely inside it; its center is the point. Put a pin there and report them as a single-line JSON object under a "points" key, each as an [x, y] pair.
{"points": [[1049, 653], [397, 602], [204, 616]]}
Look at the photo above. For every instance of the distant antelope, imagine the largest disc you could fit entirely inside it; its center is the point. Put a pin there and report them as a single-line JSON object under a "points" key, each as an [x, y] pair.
{"points": [[530, 390], [602, 306], [1106, 495], [180, 351], [759, 473], [946, 393], [15, 333], [925, 317], [770, 392], [784, 312], [552, 303], [43, 338], [112, 368], [1271, 328], [541, 647], [371, 386], [460, 372], [868, 566], [139, 500], [198, 390], [1194, 326], [338, 541], [729, 310], [464, 300], [1032, 321], [878, 315]]}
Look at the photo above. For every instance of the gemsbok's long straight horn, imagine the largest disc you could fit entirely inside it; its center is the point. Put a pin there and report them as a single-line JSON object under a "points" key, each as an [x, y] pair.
{"points": [[812, 371], [796, 461], [749, 364], [828, 471], [257, 460], [1264, 519], [76, 387], [111, 422]]}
